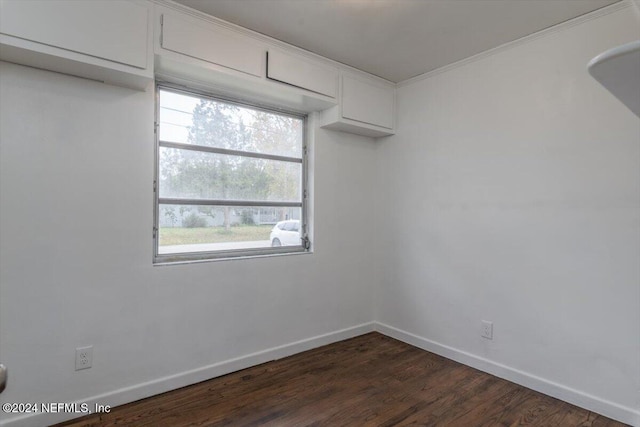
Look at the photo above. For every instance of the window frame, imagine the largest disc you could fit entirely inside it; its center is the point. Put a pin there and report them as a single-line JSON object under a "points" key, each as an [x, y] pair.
{"points": [[203, 256]]}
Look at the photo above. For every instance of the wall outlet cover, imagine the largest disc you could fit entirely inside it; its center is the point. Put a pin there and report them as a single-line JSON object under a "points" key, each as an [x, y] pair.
{"points": [[84, 357], [487, 329]]}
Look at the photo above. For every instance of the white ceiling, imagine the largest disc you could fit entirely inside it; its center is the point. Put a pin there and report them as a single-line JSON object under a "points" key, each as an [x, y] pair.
{"points": [[396, 39]]}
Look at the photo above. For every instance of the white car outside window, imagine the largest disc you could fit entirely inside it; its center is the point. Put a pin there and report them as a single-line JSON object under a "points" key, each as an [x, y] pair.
{"points": [[286, 233]]}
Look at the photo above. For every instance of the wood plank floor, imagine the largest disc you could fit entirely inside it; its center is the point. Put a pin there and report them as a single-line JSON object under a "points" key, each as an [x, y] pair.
{"points": [[371, 380]]}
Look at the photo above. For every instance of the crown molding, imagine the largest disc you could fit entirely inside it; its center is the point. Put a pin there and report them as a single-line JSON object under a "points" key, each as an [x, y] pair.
{"points": [[562, 26]]}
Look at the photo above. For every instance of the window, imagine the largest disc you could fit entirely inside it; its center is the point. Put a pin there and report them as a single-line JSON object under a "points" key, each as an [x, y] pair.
{"points": [[230, 179]]}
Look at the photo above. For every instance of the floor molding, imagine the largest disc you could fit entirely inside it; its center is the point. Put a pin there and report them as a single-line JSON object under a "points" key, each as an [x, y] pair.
{"points": [[161, 385], [559, 391], [172, 382]]}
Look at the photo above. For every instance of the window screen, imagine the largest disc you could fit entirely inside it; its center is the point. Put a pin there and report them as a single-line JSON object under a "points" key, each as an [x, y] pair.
{"points": [[230, 179]]}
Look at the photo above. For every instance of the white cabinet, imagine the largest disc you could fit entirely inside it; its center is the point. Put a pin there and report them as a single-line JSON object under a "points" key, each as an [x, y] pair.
{"points": [[367, 107], [132, 42], [367, 102], [205, 52], [215, 44], [302, 72], [101, 39]]}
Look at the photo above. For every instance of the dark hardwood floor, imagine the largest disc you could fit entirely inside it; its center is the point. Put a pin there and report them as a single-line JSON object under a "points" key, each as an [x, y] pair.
{"points": [[371, 380]]}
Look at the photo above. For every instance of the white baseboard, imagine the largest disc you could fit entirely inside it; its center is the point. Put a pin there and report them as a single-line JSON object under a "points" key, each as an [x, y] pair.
{"points": [[161, 385], [559, 391]]}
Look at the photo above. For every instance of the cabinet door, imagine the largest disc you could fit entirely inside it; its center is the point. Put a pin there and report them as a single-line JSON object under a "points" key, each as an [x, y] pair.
{"points": [[367, 102], [211, 43], [301, 72], [106, 29]]}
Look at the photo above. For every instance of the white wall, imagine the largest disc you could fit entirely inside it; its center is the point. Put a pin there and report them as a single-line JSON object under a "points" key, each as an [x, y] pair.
{"points": [[76, 172], [511, 193]]}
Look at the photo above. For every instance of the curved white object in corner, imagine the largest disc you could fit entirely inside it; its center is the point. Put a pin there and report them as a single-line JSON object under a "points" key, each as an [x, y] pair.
{"points": [[618, 70]]}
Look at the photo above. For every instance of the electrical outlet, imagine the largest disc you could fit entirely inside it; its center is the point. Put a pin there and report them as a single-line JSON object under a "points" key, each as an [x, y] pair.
{"points": [[487, 329], [84, 357]]}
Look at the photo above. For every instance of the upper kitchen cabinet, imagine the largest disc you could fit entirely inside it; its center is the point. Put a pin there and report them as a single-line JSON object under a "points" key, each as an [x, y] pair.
{"points": [[217, 45], [131, 43], [366, 107], [103, 40]]}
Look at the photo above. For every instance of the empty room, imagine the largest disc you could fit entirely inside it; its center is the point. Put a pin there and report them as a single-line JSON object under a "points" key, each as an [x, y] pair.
{"points": [[319, 213]]}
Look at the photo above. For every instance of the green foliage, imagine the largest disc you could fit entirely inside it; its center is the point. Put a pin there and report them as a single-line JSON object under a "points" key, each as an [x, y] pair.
{"points": [[247, 217], [170, 213], [193, 220]]}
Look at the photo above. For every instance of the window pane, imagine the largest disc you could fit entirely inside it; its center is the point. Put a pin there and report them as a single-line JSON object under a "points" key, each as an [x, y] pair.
{"points": [[237, 176], [194, 120], [187, 228], [200, 175]]}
